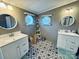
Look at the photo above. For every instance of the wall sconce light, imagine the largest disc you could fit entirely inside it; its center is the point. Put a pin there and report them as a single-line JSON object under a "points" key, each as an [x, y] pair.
{"points": [[9, 7], [69, 11], [2, 4], [5, 5]]}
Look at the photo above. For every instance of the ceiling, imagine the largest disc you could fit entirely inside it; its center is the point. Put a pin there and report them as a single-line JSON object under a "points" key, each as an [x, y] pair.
{"points": [[38, 6]]}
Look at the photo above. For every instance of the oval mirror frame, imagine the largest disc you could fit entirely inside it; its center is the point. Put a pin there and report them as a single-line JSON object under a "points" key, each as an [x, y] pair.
{"points": [[67, 21], [11, 27]]}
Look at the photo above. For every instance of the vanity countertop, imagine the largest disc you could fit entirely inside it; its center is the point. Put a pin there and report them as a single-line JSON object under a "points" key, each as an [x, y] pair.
{"points": [[68, 33], [6, 39]]}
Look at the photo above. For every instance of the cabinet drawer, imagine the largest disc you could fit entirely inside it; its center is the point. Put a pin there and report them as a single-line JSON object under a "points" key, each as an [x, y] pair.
{"points": [[23, 51], [71, 48], [74, 50], [71, 43], [72, 39], [23, 43], [24, 46]]}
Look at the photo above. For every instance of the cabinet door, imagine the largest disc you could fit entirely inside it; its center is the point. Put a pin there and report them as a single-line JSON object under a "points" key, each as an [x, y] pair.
{"points": [[1, 55], [10, 51], [61, 41]]}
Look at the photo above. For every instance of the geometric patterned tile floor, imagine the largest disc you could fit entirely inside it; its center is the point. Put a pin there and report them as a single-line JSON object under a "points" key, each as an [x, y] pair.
{"points": [[42, 50]]}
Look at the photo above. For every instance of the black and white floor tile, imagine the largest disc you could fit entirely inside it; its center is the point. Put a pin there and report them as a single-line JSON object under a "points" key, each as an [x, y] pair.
{"points": [[42, 50]]}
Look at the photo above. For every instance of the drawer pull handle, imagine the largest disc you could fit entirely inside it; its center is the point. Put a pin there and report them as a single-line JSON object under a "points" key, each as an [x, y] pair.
{"points": [[17, 46], [24, 44], [71, 48], [73, 42], [25, 50]]}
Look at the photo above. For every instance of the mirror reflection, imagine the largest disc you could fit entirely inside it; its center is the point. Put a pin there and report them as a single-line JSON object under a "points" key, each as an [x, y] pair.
{"points": [[67, 21], [7, 21]]}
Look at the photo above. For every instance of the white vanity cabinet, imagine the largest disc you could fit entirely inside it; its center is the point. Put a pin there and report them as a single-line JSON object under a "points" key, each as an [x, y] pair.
{"points": [[10, 51], [14, 49], [68, 41]]}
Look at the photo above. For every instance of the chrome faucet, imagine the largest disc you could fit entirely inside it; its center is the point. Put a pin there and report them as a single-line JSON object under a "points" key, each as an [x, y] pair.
{"points": [[11, 34]]}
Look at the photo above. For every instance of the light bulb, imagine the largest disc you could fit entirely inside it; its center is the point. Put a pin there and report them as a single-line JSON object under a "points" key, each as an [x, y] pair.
{"points": [[67, 10], [10, 7], [71, 10], [2, 5]]}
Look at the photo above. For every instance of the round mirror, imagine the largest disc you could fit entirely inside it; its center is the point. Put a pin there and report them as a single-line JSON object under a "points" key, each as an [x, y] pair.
{"points": [[7, 22], [67, 21]]}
